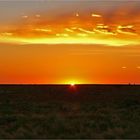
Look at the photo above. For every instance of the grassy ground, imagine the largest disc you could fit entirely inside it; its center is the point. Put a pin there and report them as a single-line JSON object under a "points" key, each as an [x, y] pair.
{"points": [[70, 115]]}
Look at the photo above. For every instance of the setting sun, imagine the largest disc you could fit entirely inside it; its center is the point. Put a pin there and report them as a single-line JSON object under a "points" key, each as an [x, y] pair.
{"points": [[72, 84]]}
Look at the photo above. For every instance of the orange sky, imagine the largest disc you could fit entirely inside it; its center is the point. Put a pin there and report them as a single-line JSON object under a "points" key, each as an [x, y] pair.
{"points": [[85, 46]]}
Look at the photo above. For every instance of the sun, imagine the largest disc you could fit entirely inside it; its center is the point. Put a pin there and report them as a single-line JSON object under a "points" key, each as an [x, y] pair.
{"points": [[72, 84]]}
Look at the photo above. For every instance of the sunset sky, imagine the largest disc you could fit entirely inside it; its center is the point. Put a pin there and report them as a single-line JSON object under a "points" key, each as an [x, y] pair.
{"points": [[69, 41]]}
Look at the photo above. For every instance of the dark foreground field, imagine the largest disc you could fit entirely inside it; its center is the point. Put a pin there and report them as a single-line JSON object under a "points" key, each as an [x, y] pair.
{"points": [[83, 111]]}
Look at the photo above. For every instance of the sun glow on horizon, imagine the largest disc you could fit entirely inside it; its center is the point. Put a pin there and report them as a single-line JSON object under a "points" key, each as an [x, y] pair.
{"points": [[72, 84]]}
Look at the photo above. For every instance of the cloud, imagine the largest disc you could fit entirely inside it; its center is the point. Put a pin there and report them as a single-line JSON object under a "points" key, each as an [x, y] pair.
{"points": [[86, 27]]}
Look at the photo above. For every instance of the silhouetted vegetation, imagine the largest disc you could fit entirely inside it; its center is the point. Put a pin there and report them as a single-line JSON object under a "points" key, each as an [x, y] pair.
{"points": [[84, 111]]}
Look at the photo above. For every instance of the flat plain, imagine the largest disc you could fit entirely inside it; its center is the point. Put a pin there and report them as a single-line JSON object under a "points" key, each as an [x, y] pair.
{"points": [[65, 111]]}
